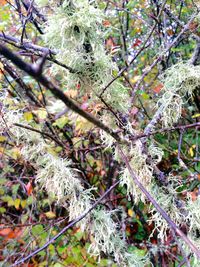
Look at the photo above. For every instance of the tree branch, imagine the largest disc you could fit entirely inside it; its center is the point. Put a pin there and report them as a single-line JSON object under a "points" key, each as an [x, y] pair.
{"points": [[36, 49], [157, 206], [71, 224], [164, 130], [37, 75]]}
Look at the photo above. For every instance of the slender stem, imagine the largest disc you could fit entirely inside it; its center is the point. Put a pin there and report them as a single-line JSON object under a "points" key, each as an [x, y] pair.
{"points": [[71, 224], [35, 72], [180, 127], [40, 132]]}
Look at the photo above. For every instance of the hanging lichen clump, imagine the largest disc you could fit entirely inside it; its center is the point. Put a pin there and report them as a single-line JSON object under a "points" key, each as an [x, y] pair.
{"points": [[179, 81], [75, 30], [61, 181]]}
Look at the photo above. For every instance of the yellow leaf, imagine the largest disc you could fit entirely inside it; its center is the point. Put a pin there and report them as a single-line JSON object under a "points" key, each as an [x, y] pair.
{"points": [[191, 150], [23, 203], [28, 116], [135, 79], [2, 138], [50, 214], [17, 203], [82, 125], [196, 115], [15, 153], [130, 212], [41, 113], [11, 202]]}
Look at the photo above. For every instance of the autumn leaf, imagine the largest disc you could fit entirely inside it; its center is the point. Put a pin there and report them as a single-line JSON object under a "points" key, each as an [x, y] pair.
{"points": [[191, 150], [130, 212], [136, 43], [28, 116], [1, 70], [50, 215], [3, 2], [17, 203], [106, 23], [5, 231], [9, 233], [158, 88], [29, 188]]}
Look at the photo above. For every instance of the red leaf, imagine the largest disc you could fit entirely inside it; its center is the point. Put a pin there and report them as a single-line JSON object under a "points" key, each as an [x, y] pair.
{"points": [[137, 43]]}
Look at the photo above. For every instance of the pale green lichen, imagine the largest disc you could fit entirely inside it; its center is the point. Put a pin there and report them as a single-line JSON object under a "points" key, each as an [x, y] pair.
{"points": [[106, 238], [107, 140], [156, 153], [80, 202], [167, 199], [192, 207], [142, 170], [103, 230], [42, 3], [182, 212], [58, 177], [75, 30], [179, 81]]}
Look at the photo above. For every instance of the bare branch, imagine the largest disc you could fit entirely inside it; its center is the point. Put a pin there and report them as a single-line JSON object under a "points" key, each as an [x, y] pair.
{"points": [[177, 231], [148, 132], [71, 224], [30, 69]]}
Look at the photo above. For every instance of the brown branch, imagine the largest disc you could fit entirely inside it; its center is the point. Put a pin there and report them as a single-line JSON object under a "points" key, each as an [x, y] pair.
{"points": [[27, 45], [164, 130], [177, 231], [137, 54], [55, 90], [36, 49], [40, 132], [71, 224]]}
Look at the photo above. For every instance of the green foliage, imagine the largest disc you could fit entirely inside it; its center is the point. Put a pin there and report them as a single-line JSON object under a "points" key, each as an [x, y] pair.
{"points": [[55, 165]]}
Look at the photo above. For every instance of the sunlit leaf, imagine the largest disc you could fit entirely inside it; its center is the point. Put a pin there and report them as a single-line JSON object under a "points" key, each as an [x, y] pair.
{"points": [[50, 214]]}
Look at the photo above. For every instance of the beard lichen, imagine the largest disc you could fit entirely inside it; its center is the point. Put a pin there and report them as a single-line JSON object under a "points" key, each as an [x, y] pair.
{"points": [[62, 184], [75, 30], [179, 81], [144, 171]]}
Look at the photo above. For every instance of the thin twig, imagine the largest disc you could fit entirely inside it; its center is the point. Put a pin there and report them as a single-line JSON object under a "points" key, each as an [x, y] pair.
{"points": [[180, 127], [71, 224], [40, 132], [56, 91], [159, 58]]}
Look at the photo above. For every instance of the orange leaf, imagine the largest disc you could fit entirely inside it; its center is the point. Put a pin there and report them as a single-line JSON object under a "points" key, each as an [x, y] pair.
{"points": [[170, 32], [29, 188], [3, 2], [106, 23], [158, 88], [193, 26], [194, 194], [5, 231], [9, 233]]}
